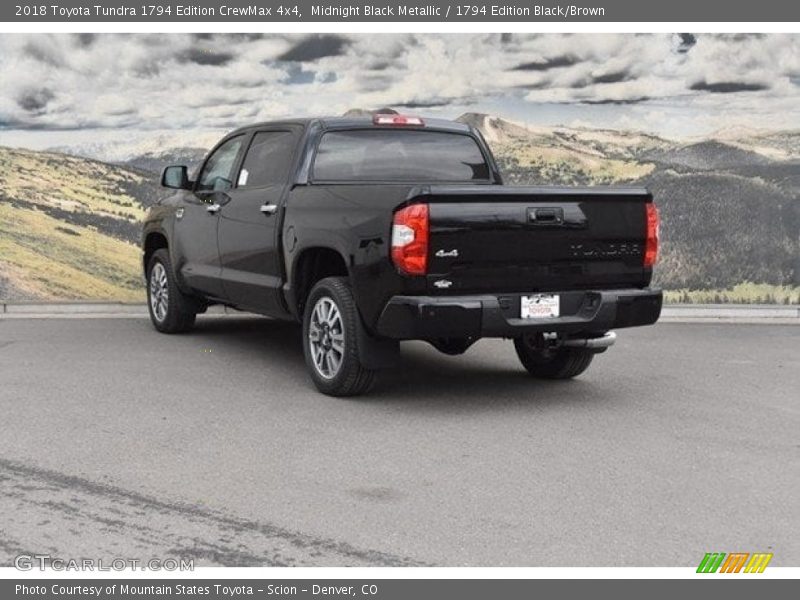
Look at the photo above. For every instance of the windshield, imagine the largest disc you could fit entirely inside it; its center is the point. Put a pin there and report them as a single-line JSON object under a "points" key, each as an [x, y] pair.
{"points": [[399, 155]]}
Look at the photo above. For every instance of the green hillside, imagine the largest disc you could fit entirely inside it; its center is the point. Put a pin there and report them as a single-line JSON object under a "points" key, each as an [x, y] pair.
{"points": [[68, 227]]}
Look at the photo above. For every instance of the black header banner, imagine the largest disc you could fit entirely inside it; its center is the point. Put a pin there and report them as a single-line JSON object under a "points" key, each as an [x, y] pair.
{"points": [[244, 11]]}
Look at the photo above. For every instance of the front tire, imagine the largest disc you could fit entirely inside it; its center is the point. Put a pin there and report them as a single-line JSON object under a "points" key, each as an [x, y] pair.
{"points": [[557, 363], [330, 340], [171, 311]]}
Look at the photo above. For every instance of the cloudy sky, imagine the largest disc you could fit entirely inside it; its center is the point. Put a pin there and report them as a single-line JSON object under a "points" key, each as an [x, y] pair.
{"points": [[54, 88]]}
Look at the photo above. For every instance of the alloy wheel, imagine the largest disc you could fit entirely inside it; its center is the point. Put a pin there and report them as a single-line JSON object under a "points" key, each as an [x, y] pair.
{"points": [[326, 338], [159, 292]]}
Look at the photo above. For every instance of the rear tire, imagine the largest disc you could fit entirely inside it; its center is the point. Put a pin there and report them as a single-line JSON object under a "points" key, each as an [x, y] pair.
{"points": [[330, 340], [559, 363], [171, 311]]}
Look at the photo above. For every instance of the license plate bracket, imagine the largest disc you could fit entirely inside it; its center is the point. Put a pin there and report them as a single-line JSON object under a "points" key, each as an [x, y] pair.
{"points": [[540, 306]]}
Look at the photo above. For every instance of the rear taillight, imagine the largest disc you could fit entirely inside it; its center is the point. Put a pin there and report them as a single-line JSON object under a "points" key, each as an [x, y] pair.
{"points": [[410, 239], [651, 240]]}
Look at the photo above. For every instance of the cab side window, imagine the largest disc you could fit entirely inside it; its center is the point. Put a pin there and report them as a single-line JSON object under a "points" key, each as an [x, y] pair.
{"points": [[268, 159], [217, 173]]}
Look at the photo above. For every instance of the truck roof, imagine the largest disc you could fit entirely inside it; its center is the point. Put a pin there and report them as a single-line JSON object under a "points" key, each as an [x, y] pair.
{"points": [[350, 122], [344, 122]]}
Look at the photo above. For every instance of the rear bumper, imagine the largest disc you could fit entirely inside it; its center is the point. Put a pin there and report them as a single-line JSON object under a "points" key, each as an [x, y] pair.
{"points": [[429, 317]]}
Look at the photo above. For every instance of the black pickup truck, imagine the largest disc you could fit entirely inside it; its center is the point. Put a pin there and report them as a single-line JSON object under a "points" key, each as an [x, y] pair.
{"points": [[370, 231]]}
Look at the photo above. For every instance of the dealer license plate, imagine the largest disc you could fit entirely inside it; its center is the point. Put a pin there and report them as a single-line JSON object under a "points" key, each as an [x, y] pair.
{"points": [[540, 306]]}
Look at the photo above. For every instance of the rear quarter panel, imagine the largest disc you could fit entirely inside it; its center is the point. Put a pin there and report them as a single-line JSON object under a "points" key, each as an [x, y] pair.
{"points": [[356, 221]]}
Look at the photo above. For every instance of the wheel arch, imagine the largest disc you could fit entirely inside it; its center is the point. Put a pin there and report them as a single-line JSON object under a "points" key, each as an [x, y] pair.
{"points": [[311, 265], [154, 240], [318, 262]]}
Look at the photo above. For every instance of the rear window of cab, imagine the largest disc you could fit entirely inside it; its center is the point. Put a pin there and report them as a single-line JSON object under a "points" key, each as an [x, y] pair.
{"points": [[402, 155]]}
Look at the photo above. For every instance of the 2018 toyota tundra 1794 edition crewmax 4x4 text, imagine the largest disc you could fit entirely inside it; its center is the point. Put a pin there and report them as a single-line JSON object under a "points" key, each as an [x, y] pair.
{"points": [[371, 231]]}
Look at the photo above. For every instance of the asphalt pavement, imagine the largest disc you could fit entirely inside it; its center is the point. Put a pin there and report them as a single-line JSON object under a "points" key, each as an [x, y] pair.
{"points": [[117, 441]]}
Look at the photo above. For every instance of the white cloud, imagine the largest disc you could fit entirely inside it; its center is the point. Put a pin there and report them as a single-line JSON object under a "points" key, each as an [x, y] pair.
{"points": [[177, 81]]}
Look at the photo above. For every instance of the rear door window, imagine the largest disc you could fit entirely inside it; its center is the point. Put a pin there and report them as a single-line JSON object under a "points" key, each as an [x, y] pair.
{"points": [[398, 155], [268, 159]]}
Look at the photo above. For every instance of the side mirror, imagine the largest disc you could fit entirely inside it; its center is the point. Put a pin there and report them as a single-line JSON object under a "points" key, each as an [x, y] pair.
{"points": [[175, 177]]}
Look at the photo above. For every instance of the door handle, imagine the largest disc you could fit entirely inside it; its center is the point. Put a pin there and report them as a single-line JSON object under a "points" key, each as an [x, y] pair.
{"points": [[269, 209], [213, 208]]}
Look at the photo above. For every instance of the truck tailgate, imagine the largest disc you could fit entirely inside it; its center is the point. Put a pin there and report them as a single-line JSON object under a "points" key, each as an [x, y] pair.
{"points": [[535, 239]]}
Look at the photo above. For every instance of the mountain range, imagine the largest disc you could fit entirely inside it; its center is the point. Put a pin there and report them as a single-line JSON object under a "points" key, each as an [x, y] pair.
{"points": [[730, 204]]}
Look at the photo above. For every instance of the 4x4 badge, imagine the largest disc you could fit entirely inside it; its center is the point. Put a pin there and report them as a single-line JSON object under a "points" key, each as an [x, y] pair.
{"points": [[447, 253]]}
